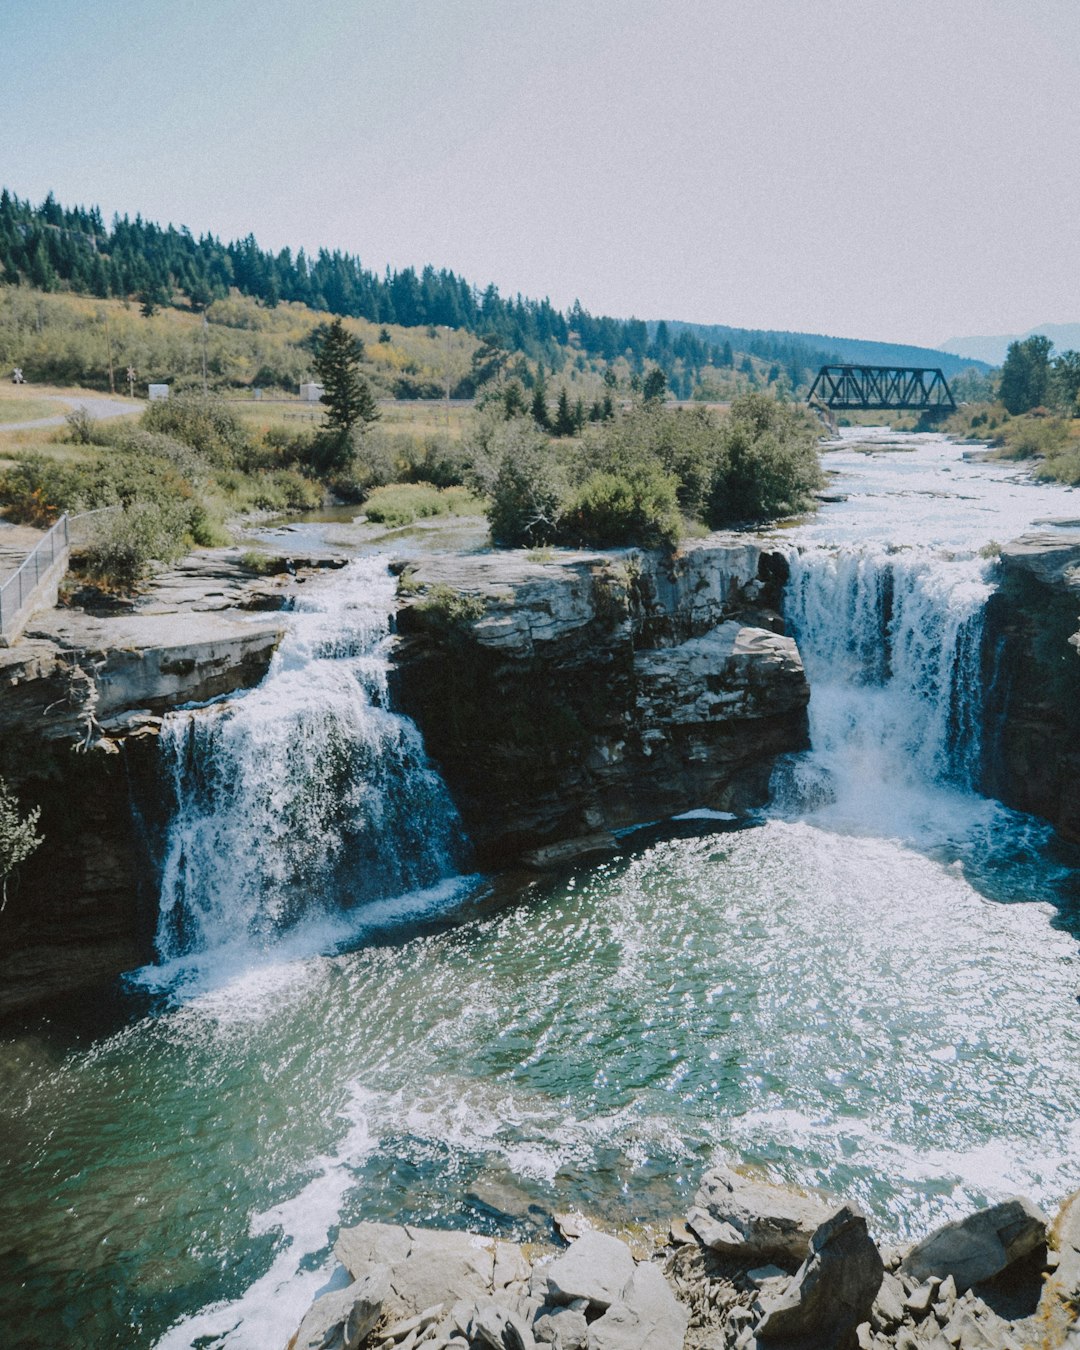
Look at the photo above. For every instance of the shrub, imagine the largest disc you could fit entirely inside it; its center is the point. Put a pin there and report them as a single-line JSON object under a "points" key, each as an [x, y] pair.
{"points": [[206, 424], [768, 464], [617, 509], [370, 460], [36, 490], [527, 495], [127, 544]]}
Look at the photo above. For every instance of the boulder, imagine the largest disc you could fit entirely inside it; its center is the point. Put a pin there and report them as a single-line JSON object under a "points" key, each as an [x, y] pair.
{"points": [[646, 1316], [832, 1292], [596, 1267], [341, 1320], [426, 1266], [979, 1246], [564, 1328], [749, 1219]]}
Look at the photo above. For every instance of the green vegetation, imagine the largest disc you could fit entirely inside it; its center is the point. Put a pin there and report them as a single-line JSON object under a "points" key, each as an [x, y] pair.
{"points": [[449, 607], [18, 837], [637, 478], [402, 503]]}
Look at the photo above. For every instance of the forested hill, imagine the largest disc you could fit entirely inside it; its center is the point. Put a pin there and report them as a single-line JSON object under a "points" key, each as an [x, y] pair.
{"points": [[52, 247], [818, 349]]}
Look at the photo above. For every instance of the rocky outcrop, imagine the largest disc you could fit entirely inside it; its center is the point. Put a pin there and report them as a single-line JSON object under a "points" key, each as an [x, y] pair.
{"points": [[753, 1220], [464, 1291], [570, 695], [1031, 664]]}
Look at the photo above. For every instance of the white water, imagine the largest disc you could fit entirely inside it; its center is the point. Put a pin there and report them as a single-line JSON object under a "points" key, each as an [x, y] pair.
{"points": [[829, 994], [305, 798]]}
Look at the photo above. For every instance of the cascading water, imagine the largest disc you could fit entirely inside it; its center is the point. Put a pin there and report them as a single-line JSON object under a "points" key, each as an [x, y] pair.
{"points": [[307, 796], [891, 644]]}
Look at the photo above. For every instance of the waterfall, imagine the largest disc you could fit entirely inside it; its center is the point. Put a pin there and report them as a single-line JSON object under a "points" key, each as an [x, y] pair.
{"points": [[891, 643], [307, 796]]}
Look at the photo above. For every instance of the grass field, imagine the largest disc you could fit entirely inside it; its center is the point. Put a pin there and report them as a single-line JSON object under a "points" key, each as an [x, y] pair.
{"points": [[27, 409]]}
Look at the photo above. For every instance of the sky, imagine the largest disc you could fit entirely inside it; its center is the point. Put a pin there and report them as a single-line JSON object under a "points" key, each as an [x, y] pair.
{"points": [[904, 170]]}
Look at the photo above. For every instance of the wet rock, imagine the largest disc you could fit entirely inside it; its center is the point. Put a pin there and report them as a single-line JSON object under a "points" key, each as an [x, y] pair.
{"points": [[342, 1319], [646, 1316], [832, 1292], [737, 1216], [979, 1246], [596, 1267]]}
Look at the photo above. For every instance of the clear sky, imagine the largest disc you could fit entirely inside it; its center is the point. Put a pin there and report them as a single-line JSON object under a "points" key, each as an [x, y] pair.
{"points": [[895, 169]]}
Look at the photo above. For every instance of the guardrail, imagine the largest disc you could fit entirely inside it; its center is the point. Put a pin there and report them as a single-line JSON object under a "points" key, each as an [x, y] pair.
{"points": [[19, 589]]}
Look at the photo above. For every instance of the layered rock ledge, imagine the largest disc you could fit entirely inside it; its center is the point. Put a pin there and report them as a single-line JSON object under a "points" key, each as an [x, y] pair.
{"points": [[570, 695]]}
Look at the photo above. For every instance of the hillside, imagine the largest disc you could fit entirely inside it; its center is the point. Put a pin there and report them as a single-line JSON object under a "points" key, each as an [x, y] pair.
{"points": [[818, 349], [55, 250]]}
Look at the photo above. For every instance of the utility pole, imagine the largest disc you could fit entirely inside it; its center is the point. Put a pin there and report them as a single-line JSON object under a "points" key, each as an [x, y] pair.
{"points": [[204, 353], [108, 343], [446, 358]]}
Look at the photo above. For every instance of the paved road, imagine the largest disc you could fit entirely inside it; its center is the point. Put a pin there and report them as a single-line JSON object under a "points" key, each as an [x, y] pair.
{"points": [[96, 406]]}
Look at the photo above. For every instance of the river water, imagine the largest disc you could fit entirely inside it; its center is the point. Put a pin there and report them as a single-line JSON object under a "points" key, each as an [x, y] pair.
{"points": [[871, 986]]}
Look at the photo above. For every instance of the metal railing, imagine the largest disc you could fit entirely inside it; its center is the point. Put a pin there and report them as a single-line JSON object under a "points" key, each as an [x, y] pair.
{"points": [[17, 591]]}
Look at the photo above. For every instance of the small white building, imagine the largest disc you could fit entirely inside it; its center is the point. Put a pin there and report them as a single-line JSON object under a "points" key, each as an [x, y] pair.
{"points": [[311, 393], [158, 392]]}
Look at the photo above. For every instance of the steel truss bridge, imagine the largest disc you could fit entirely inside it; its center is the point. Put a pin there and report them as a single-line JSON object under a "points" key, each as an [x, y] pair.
{"points": [[882, 388]]}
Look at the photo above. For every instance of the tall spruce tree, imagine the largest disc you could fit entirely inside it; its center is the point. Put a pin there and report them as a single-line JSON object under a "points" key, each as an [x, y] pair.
{"points": [[346, 392]]}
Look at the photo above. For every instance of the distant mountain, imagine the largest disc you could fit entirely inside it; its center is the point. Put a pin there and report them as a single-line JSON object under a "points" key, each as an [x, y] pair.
{"points": [[1065, 336], [818, 349]]}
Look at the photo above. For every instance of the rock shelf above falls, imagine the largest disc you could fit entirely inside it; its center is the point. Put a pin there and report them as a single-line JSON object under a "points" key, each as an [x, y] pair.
{"points": [[570, 695]]}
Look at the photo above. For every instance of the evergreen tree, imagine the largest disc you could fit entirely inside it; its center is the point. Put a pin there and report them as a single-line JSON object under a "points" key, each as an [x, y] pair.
{"points": [[654, 386], [346, 393], [564, 424]]}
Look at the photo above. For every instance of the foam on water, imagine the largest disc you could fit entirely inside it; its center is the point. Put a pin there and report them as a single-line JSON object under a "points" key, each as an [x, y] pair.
{"points": [[827, 994]]}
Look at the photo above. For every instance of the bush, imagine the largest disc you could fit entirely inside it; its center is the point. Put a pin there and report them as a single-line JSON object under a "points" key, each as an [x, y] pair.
{"points": [[527, 495], [206, 424], [371, 461], [617, 509], [768, 463], [36, 490], [127, 544], [402, 503]]}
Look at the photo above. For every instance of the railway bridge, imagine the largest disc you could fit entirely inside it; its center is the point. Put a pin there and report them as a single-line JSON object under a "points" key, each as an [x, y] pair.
{"points": [[882, 389]]}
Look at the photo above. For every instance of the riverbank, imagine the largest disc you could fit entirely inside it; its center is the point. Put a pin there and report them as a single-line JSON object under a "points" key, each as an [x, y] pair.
{"points": [[752, 1266]]}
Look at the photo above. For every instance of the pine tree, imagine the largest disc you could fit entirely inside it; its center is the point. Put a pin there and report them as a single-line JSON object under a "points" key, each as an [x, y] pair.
{"points": [[346, 393]]}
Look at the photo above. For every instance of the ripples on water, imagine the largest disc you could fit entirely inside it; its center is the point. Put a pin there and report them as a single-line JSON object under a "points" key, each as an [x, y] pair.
{"points": [[827, 993]]}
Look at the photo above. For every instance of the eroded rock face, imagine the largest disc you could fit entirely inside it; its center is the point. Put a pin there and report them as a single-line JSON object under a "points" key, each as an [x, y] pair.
{"points": [[569, 697], [1031, 672]]}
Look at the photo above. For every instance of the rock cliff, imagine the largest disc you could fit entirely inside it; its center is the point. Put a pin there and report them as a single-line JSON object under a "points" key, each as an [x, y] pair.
{"points": [[1032, 678], [570, 695]]}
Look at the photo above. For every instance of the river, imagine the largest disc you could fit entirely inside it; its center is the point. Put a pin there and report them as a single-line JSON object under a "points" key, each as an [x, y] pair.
{"points": [[870, 986]]}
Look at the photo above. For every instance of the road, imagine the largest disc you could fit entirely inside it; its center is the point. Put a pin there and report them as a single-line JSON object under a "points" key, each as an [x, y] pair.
{"points": [[98, 408]]}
